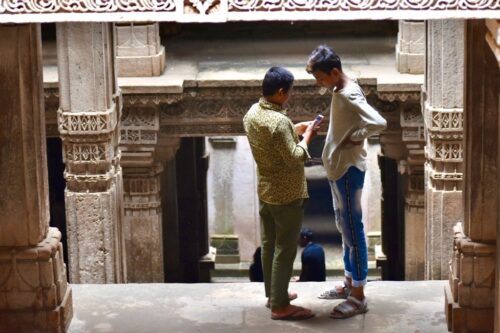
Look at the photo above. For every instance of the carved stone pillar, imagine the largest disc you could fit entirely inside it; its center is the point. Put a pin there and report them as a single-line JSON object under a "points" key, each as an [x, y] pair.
{"points": [[443, 108], [471, 294], [142, 163], [401, 174], [410, 49], [138, 49], [221, 176], [90, 106], [412, 123], [34, 294], [493, 41]]}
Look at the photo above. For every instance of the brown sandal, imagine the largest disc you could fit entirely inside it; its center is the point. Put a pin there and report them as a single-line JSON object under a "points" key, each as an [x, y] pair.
{"points": [[297, 313]]}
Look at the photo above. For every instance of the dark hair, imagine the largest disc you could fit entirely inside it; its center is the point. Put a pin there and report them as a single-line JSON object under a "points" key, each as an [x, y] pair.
{"points": [[323, 59], [306, 233], [276, 78]]}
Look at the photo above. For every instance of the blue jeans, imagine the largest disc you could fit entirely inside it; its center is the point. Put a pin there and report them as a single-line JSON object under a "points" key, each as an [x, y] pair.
{"points": [[346, 193]]}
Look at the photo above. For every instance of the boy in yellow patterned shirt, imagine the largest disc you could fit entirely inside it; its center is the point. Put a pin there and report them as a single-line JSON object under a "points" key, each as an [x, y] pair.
{"points": [[282, 187]]}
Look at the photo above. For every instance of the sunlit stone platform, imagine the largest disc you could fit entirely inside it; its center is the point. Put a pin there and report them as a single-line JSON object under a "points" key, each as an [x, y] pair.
{"points": [[399, 307]]}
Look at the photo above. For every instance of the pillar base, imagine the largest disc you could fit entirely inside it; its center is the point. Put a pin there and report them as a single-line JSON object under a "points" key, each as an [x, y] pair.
{"points": [[464, 319], [34, 294]]}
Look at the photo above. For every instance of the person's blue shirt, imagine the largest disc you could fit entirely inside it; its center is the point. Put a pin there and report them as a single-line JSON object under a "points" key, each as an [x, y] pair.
{"points": [[313, 263]]}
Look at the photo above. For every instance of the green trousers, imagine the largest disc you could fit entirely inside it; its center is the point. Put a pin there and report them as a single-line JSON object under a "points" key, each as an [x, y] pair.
{"points": [[280, 227]]}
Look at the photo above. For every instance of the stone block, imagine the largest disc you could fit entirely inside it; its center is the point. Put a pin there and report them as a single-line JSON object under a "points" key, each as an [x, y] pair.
{"points": [[481, 297], [477, 320], [46, 273], [227, 248], [466, 269], [66, 310], [458, 319], [141, 66], [484, 272], [50, 297], [19, 300], [448, 306], [464, 294]]}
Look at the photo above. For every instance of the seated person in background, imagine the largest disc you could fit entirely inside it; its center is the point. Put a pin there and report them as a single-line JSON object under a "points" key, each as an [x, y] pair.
{"points": [[255, 271], [313, 258]]}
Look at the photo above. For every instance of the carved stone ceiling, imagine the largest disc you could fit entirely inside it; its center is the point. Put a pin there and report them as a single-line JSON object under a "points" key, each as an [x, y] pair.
{"points": [[22, 11]]}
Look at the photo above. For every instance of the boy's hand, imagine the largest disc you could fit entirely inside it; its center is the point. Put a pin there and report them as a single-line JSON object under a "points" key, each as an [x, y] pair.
{"points": [[301, 127]]}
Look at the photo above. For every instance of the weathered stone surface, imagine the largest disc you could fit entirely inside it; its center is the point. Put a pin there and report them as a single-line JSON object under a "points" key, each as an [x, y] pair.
{"points": [[445, 47], [238, 307], [442, 105], [414, 245], [410, 49], [139, 52], [32, 271], [142, 226], [90, 107], [24, 201]]}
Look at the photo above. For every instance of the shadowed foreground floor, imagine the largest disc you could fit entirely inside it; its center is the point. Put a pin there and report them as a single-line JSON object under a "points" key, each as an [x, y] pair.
{"points": [[397, 307]]}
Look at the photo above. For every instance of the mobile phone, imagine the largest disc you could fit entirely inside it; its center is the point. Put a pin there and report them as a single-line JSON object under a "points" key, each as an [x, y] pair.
{"points": [[318, 120]]}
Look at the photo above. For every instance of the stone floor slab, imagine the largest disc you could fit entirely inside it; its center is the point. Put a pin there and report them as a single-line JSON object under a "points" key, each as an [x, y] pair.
{"points": [[398, 307]]}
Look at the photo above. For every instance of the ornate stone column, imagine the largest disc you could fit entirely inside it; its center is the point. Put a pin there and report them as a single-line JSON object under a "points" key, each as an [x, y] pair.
{"points": [[401, 164], [142, 162], [138, 49], [90, 106], [412, 124], [471, 294], [443, 107], [34, 294], [410, 49]]}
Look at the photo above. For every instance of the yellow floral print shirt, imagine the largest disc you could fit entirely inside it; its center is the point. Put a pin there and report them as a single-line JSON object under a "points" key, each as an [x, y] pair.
{"points": [[278, 153]]}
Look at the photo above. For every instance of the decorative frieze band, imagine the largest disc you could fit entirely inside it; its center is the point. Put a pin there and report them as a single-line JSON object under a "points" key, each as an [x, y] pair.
{"points": [[139, 126], [218, 110], [228, 10], [87, 123], [446, 152], [77, 152], [90, 182], [444, 122]]}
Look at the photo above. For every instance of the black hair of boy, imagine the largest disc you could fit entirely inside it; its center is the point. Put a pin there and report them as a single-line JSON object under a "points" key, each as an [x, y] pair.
{"points": [[323, 59], [276, 78]]}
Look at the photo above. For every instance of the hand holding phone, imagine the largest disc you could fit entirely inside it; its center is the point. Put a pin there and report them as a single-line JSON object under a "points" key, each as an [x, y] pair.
{"points": [[318, 120]]}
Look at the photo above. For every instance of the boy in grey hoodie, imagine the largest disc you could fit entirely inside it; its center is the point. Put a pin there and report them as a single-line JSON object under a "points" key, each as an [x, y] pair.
{"points": [[352, 120]]}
